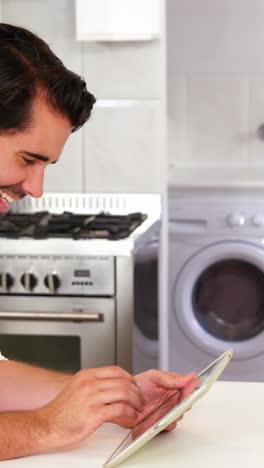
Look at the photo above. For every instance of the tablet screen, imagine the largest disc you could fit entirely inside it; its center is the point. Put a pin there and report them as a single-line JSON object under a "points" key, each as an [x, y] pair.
{"points": [[158, 414], [167, 412]]}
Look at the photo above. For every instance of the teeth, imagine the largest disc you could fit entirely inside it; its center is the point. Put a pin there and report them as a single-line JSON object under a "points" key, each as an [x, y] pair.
{"points": [[6, 196]]}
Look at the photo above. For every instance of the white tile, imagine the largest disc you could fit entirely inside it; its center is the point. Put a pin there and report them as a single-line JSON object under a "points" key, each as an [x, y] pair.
{"points": [[123, 70], [216, 43], [177, 106], [215, 7], [255, 119], [53, 21], [122, 152], [195, 176], [67, 174], [217, 118]]}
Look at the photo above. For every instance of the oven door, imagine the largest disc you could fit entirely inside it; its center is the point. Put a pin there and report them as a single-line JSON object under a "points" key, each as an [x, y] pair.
{"points": [[66, 334], [219, 299]]}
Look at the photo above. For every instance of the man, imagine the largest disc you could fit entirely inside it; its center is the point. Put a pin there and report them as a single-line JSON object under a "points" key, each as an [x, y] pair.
{"points": [[41, 104]]}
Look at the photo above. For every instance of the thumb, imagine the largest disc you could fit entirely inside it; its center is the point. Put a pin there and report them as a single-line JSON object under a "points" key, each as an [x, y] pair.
{"points": [[176, 381], [171, 380]]}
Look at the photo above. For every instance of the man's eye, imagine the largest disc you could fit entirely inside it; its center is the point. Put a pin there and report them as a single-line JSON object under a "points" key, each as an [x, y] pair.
{"points": [[28, 161]]}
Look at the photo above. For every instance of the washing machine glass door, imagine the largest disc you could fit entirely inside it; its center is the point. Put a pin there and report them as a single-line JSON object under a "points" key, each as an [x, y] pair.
{"points": [[219, 298]]}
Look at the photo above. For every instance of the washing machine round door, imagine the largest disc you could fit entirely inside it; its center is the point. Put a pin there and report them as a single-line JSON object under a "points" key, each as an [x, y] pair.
{"points": [[219, 298]]}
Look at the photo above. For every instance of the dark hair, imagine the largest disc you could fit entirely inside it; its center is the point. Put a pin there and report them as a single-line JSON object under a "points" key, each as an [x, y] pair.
{"points": [[28, 65]]}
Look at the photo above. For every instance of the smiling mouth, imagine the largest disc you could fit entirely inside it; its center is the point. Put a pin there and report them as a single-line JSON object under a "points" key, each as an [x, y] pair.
{"points": [[6, 197]]}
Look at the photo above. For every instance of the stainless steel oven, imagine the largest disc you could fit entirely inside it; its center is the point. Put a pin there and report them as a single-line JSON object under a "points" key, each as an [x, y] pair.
{"points": [[59, 333], [66, 298], [84, 322]]}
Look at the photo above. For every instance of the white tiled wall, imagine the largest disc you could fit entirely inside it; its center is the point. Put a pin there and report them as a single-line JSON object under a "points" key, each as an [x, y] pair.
{"points": [[123, 70], [119, 149], [212, 36], [123, 162], [53, 20], [255, 118], [215, 91], [208, 114]]}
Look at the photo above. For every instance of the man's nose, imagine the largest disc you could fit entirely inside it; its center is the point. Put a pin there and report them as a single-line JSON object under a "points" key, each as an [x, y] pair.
{"points": [[33, 183]]}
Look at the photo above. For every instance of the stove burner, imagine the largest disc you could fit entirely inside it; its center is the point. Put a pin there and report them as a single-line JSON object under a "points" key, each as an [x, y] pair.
{"points": [[42, 225]]}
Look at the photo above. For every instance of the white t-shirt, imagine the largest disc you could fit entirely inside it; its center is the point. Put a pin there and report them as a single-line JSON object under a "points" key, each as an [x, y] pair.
{"points": [[2, 358]]}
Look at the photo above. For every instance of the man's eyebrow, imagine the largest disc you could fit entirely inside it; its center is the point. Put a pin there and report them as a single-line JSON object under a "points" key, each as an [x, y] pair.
{"points": [[41, 157]]}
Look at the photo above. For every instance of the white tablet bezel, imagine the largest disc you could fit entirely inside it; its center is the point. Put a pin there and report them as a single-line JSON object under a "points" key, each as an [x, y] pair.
{"points": [[173, 414]]}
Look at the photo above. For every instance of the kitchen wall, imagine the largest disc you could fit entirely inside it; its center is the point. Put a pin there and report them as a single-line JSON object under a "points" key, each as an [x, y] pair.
{"points": [[215, 92], [215, 83], [119, 150]]}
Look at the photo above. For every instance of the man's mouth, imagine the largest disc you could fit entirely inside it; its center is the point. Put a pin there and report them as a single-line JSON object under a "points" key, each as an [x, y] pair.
{"points": [[5, 196]]}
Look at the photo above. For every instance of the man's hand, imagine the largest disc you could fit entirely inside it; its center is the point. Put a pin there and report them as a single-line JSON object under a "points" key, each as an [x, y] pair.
{"points": [[157, 387], [84, 402], [93, 396]]}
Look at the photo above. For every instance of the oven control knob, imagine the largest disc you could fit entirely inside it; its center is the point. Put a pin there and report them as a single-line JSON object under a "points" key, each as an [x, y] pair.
{"points": [[29, 281], [258, 220], [6, 281], [52, 282], [236, 219]]}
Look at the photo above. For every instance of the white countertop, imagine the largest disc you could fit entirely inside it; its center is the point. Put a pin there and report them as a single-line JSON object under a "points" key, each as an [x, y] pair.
{"points": [[224, 429]]}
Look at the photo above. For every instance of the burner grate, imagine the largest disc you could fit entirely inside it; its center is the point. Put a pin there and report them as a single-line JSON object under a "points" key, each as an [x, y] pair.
{"points": [[43, 225]]}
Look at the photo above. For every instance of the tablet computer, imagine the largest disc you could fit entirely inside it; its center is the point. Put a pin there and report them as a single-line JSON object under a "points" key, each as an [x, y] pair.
{"points": [[167, 412]]}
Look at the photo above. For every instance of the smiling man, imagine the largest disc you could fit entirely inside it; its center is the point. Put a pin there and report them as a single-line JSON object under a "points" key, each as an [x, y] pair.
{"points": [[41, 104], [25, 154]]}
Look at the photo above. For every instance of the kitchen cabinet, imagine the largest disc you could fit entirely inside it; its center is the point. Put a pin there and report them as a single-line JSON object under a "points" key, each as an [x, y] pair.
{"points": [[117, 20], [215, 85]]}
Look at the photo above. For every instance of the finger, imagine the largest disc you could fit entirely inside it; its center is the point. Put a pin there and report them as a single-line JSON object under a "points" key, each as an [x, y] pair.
{"points": [[170, 380], [188, 389], [171, 426], [120, 394], [119, 384], [112, 372], [111, 413], [109, 372]]}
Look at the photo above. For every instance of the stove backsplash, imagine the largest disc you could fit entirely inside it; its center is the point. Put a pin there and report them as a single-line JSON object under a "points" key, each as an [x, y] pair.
{"points": [[114, 203]]}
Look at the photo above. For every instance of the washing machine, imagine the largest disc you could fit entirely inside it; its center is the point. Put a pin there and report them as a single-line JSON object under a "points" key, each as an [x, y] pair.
{"points": [[146, 296], [216, 280]]}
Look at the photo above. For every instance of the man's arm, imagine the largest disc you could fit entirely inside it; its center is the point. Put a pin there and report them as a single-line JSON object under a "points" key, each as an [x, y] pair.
{"points": [[24, 387], [70, 408], [21, 434], [90, 398]]}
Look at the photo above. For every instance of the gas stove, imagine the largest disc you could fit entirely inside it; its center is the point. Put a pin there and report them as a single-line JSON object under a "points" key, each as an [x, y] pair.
{"points": [[67, 276], [44, 225], [68, 244]]}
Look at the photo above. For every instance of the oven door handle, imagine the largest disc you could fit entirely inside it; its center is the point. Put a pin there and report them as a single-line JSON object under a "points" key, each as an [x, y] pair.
{"points": [[68, 317]]}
